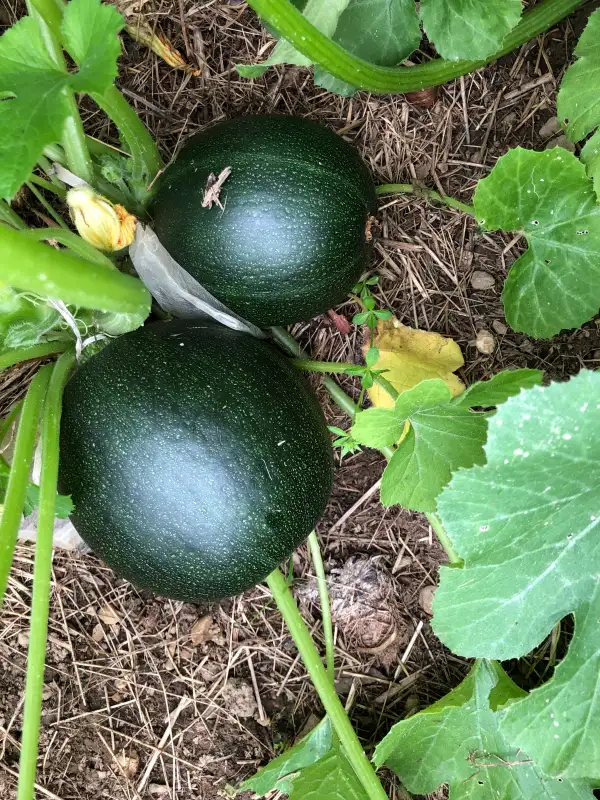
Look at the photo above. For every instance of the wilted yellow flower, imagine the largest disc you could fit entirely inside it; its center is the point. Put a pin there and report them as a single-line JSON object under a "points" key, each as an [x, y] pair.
{"points": [[105, 225]]}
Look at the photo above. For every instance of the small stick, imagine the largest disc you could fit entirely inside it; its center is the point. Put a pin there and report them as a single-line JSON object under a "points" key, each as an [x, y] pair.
{"points": [[213, 188], [183, 704]]}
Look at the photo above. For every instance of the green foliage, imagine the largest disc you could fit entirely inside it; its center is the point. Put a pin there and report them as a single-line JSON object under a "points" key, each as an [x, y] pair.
{"points": [[458, 741], [24, 318], [464, 29], [38, 87], [64, 505], [555, 284], [280, 773], [345, 441], [499, 388], [578, 101], [526, 527]]}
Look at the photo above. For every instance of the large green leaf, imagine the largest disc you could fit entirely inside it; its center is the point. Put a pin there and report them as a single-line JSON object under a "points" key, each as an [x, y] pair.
{"points": [[440, 438], [281, 772], [332, 778], [469, 29], [548, 198], [457, 741], [590, 155], [383, 32], [558, 723], [37, 107], [578, 101], [499, 388]]}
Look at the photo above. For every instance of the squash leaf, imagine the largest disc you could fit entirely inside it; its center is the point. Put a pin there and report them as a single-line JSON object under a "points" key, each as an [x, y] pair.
{"points": [[435, 438], [526, 526], [499, 388], [555, 284], [411, 356], [578, 101], [458, 741], [35, 89], [467, 29]]}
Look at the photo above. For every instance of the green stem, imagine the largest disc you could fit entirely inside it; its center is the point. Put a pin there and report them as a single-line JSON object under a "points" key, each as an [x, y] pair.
{"points": [[444, 539], [428, 194], [387, 386], [322, 366], [293, 26], [74, 242], [41, 577], [18, 478], [8, 420], [45, 165], [317, 559], [318, 674], [146, 158], [11, 217], [12, 357], [50, 187], [46, 205], [35, 267]]}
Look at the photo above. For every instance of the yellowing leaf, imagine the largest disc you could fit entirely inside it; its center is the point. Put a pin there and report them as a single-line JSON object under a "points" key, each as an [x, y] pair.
{"points": [[412, 356]]}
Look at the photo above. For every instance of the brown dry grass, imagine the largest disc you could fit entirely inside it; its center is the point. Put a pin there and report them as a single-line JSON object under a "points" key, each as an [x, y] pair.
{"points": [[114, 681]]}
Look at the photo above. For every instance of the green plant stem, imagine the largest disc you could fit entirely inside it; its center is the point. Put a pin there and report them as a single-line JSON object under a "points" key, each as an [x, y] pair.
{"points": [[146, 158], [46, 205], [11, 217], [347, 404], [8, 420], [317, 559], [45, 165], [428, 194], [318, 674], [308, 365], [12, 357], [74, 242], [35, 267], [18, 479], [293, 26], [41, 577], [50, 187]]}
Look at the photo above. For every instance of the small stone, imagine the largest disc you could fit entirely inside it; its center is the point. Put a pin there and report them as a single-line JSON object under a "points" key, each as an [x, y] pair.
{"points": [[561, 141], [23, 638], [485, 342], [549, 128], [426, 596], [482, 280], [500, 328]]}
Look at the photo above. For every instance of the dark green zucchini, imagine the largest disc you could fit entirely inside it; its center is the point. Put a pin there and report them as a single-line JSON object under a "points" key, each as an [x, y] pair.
{"points": [[196, 456], [292, 237]]}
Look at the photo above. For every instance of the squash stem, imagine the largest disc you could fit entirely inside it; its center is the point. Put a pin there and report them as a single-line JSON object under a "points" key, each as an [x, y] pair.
{"points": [[322, 683], [10, 217], [292, 25], [12, 357], [347, 404], [18, 478], [317, 559], [428, 194], [6, 423], [41, 576]]}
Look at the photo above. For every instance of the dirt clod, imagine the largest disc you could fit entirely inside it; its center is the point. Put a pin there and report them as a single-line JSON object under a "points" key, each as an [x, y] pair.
{"points": [[238, 697], [561, 141], [485, 342], [426, 596]]}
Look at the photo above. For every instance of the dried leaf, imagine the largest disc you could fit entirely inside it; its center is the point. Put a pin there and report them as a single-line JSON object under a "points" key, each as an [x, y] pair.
{"points": [[201, 630], [412, 356], [159, 44], [340, 322], [129, 763], [108, 615]]}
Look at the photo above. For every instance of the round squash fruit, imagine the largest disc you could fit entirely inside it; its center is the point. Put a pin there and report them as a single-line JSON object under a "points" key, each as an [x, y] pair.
{"points": [[290, 234], [197, 458]]}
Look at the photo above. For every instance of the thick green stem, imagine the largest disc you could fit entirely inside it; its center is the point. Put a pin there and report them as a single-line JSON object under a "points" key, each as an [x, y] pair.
{"points": [[293, 26], [318, 674], [444, 539], [428, 194], [12, 357], [73, 242], [146, 158], [41, 577], [11, 217], [18, 479], [308, 365], [317, 559], [35, 267]]}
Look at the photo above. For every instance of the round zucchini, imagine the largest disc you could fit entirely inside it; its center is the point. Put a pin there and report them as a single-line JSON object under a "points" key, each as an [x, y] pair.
{"points": [[197, 458], [289, 236]]}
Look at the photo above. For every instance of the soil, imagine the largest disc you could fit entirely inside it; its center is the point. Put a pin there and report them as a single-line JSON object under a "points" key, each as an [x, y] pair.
{"points": [[146, 698]]}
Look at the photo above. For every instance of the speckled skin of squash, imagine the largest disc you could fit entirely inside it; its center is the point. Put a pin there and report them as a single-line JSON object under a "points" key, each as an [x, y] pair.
{"points": [[291, 239], [197, 458]]}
